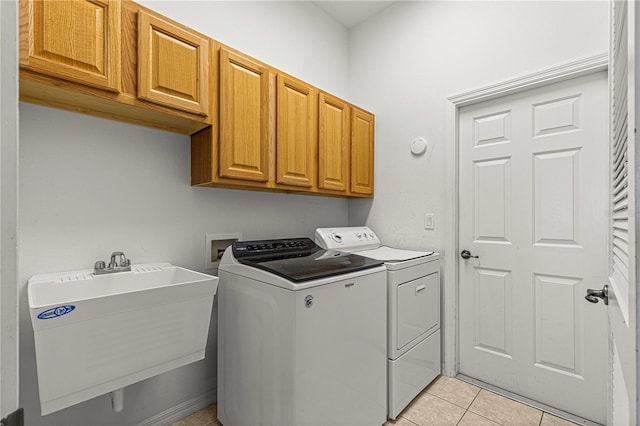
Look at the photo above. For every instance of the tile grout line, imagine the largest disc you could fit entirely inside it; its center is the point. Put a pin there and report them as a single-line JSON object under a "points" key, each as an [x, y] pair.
{"points": [[456, 405], [426, 392], [474, 398], [480, 415], [449, 402], [466, 410], [463, 414], [520, 403], [409, 420], [486, 418], [446, 400], [532, 404], [453, 403]]}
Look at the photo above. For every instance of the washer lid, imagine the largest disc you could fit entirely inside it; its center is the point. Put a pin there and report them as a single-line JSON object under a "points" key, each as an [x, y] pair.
{"points": [[299, 259]]}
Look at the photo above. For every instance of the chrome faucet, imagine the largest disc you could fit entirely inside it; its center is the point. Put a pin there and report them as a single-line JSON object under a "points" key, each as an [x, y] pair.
{"points": [[118, 263]]}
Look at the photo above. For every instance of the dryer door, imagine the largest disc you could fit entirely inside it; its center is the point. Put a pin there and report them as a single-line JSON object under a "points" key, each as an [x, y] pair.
{"points": [[418, 309]]}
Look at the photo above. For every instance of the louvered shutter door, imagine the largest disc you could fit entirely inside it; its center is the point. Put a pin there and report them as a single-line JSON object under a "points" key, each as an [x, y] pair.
{"points": [[622, 165]]}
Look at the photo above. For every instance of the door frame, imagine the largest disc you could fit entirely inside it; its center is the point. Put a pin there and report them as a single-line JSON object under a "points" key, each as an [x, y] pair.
{"points": [[450, 300], [9, 298]]}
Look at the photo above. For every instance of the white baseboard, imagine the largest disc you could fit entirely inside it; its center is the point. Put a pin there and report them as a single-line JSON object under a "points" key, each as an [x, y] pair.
{"points": [[181, 410]]}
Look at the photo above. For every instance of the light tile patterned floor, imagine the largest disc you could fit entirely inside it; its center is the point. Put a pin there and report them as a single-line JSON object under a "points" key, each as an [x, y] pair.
{"points": [[447, 401], [208, 416]]}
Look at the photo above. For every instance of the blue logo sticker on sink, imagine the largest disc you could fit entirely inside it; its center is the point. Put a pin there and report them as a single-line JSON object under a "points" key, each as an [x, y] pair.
{"points": [[58, 311]]}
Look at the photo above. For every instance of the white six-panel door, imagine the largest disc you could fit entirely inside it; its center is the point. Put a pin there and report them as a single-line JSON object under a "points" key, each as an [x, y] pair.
{"points": [[533, 206]]}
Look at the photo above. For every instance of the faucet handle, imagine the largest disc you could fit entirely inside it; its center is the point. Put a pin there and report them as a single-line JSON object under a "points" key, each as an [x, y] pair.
{"points": [[114, 259], [99, 266], [118, 263]]}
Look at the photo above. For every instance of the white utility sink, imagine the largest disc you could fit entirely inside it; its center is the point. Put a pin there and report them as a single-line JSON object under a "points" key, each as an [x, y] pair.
{"points": [[95, 334]]}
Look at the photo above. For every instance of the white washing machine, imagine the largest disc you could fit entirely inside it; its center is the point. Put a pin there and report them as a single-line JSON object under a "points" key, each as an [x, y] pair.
{"points": [[301, 336], [413, 310]]}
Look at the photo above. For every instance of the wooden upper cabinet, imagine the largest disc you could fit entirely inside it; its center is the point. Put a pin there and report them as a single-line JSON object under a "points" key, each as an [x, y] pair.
{"points": [[245, 109], [362, 130], [333, 143], [76, 40], [296, 143], [173, 65]]}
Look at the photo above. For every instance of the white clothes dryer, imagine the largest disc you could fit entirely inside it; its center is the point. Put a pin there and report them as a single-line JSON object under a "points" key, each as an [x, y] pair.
{"points": [[413, 310]]}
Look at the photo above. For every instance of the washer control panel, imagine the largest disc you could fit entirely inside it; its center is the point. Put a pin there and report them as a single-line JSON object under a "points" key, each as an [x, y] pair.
{"points": [[347, 238], [289, 246]]}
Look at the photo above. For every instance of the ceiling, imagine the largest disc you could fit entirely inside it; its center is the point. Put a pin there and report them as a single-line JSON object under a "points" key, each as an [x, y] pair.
{"points": [[351, 13]]}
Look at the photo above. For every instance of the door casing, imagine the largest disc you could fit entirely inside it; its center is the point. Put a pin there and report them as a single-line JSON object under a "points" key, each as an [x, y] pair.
{"points": [[9, 296], [567, 71]]}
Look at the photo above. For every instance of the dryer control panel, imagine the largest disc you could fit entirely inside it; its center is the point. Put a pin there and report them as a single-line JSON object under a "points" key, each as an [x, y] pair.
{"points": [[347, 238]]}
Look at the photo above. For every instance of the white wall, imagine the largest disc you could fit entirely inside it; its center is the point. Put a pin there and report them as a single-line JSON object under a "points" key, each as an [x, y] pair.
{"points": [[407, 60], [296, 37], [90, 186]]}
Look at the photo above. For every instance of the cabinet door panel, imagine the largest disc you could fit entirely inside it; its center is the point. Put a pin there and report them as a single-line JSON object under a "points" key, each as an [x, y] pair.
{"points": [[362, 130], [244, 118], [77, 40], [333, 143], [172, 65], [296, 133]]}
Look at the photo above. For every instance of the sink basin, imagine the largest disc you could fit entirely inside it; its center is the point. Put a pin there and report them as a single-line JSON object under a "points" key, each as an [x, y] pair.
{"points": [[98, 333], [53, 289]]}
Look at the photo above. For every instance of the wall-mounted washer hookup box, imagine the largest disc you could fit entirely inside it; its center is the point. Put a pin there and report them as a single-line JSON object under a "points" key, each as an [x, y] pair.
{"points": [[215, 245]]}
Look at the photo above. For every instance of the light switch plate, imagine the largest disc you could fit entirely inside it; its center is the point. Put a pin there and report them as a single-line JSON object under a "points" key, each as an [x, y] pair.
{"points": [[429, 221]]}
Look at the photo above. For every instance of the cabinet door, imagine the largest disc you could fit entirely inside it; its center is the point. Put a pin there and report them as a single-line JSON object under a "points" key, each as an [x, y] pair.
{"points": [[244, 118], [77, 40], [333, 143], [172, 65], [362, 130], [296, 133]]}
